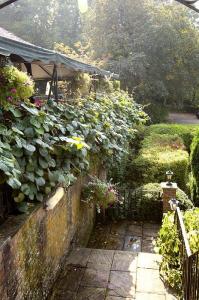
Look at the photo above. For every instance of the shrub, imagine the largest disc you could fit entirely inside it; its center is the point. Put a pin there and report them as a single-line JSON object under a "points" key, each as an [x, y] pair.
{"points": [[101, 193], [194, 176], [186, 132], [168, 245], [148, 203], [152, 164], [15, 86]]}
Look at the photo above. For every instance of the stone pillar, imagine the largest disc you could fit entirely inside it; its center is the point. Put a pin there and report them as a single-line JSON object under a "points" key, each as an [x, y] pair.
{"points": [[168, 193]]}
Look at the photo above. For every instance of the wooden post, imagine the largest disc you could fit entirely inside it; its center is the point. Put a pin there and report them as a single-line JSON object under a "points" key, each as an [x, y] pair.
{"points": [[168, 193]]}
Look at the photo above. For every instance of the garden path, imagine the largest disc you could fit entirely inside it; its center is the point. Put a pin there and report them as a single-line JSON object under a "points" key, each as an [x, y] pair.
{"points": [[183, 118], [101, 274]]}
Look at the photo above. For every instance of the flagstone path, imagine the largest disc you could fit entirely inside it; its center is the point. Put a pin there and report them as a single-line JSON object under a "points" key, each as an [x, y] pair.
{"points": [[125, 235], [124, 272], [97, 274]]}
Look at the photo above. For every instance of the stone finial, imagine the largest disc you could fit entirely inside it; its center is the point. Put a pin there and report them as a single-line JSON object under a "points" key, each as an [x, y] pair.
{"points": [[168, 193]]}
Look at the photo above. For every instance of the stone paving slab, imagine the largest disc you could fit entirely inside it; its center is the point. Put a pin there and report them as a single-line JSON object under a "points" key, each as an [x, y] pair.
{"points": [[123, 261], [148, 281], [122, 284], [148, 261], [143, 296], [135, 229], [95, 278], [118, 298], [110, 275], [91, 294], [99, 256], [78, 257], [125, 235]]}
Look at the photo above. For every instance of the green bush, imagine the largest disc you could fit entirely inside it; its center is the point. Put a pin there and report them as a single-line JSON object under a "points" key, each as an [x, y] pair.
{"points": [[148, 203], [194, 175], [186, 132], [152, 163], [168, 245]]}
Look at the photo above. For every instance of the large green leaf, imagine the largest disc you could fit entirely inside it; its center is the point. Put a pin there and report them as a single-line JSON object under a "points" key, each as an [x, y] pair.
{"points": [[14, 183], [29, 147], [35, 122], [31, 110], [40, 181], [43, 163]]}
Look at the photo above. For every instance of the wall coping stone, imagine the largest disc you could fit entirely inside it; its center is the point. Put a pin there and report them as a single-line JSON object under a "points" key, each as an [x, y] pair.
{"points": [[54, 200]]}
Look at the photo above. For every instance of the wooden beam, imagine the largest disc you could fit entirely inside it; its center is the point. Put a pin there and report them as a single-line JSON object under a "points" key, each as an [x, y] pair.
{"points": [[6, 3]]}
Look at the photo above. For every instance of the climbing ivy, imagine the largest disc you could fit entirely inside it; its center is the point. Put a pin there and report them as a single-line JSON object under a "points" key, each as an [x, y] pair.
{"points": [[50, 145]]}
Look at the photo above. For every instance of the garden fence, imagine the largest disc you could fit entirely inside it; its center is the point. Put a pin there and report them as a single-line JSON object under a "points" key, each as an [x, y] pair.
{"points": [[189, 262], [133, 205]]}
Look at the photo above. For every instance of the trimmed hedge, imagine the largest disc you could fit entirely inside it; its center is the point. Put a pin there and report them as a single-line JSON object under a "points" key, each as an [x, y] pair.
{"points": [[186, 132], [194, 175], [152, 163], [148, 203]]}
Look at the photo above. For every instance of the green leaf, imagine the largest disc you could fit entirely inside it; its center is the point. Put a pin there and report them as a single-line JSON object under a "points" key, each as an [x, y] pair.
{"points": [[29, 132], [43, 163], [35, 122], [40, 181], [18, 152], [39, 131], [19, 198], [22, 207], [14, 183], [43, 152], [29, 147], [31, 110], [3, 129], [30, 176], [40, 172], [16, 130], [16, 112], [40, 197]]}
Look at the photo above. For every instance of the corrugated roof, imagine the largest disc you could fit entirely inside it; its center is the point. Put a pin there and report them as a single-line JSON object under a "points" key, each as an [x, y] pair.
{"points": [[11, 36], [11, 44]]}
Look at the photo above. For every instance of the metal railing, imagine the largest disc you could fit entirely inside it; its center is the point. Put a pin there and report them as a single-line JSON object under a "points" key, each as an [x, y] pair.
{"points": [[189, 262]]}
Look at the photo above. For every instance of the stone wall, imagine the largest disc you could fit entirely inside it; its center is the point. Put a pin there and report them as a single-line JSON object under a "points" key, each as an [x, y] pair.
{"points": [[32, 247]]}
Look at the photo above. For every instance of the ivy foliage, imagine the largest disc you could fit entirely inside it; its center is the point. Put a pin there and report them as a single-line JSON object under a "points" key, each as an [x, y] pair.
{"points": [[168, 245], [50, 146]]}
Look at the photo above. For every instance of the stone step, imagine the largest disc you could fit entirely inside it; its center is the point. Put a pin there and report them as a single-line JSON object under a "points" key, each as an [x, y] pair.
{"points": [[97, 274]]}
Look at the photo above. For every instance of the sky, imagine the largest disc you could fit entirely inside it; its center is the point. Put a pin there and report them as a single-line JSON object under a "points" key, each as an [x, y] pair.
{"points": [[83, 5]]}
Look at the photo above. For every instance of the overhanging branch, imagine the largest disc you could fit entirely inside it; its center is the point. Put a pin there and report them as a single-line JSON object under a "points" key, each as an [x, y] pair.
{"points": [[189, 4], [6, 3]]}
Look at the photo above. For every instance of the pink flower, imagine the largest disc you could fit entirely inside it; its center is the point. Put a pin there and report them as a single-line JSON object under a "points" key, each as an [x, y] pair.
{"points": [[38, 102], [9, 98], [13, 91]]}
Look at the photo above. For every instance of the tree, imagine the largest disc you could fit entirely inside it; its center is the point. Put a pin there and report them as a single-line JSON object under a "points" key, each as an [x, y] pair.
{"points": [[153, 45]]}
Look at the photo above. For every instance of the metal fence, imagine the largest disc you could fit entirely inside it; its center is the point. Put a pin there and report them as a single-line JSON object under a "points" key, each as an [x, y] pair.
{"points": [[189, 262], [133, 205]]}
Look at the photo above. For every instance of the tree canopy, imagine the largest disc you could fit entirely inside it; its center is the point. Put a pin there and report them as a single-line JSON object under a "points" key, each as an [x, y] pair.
{"points": [[152, 44]]}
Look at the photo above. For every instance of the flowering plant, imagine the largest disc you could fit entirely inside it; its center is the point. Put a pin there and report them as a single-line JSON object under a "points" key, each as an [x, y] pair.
{"points": [[15, 86], [102, 193]]}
